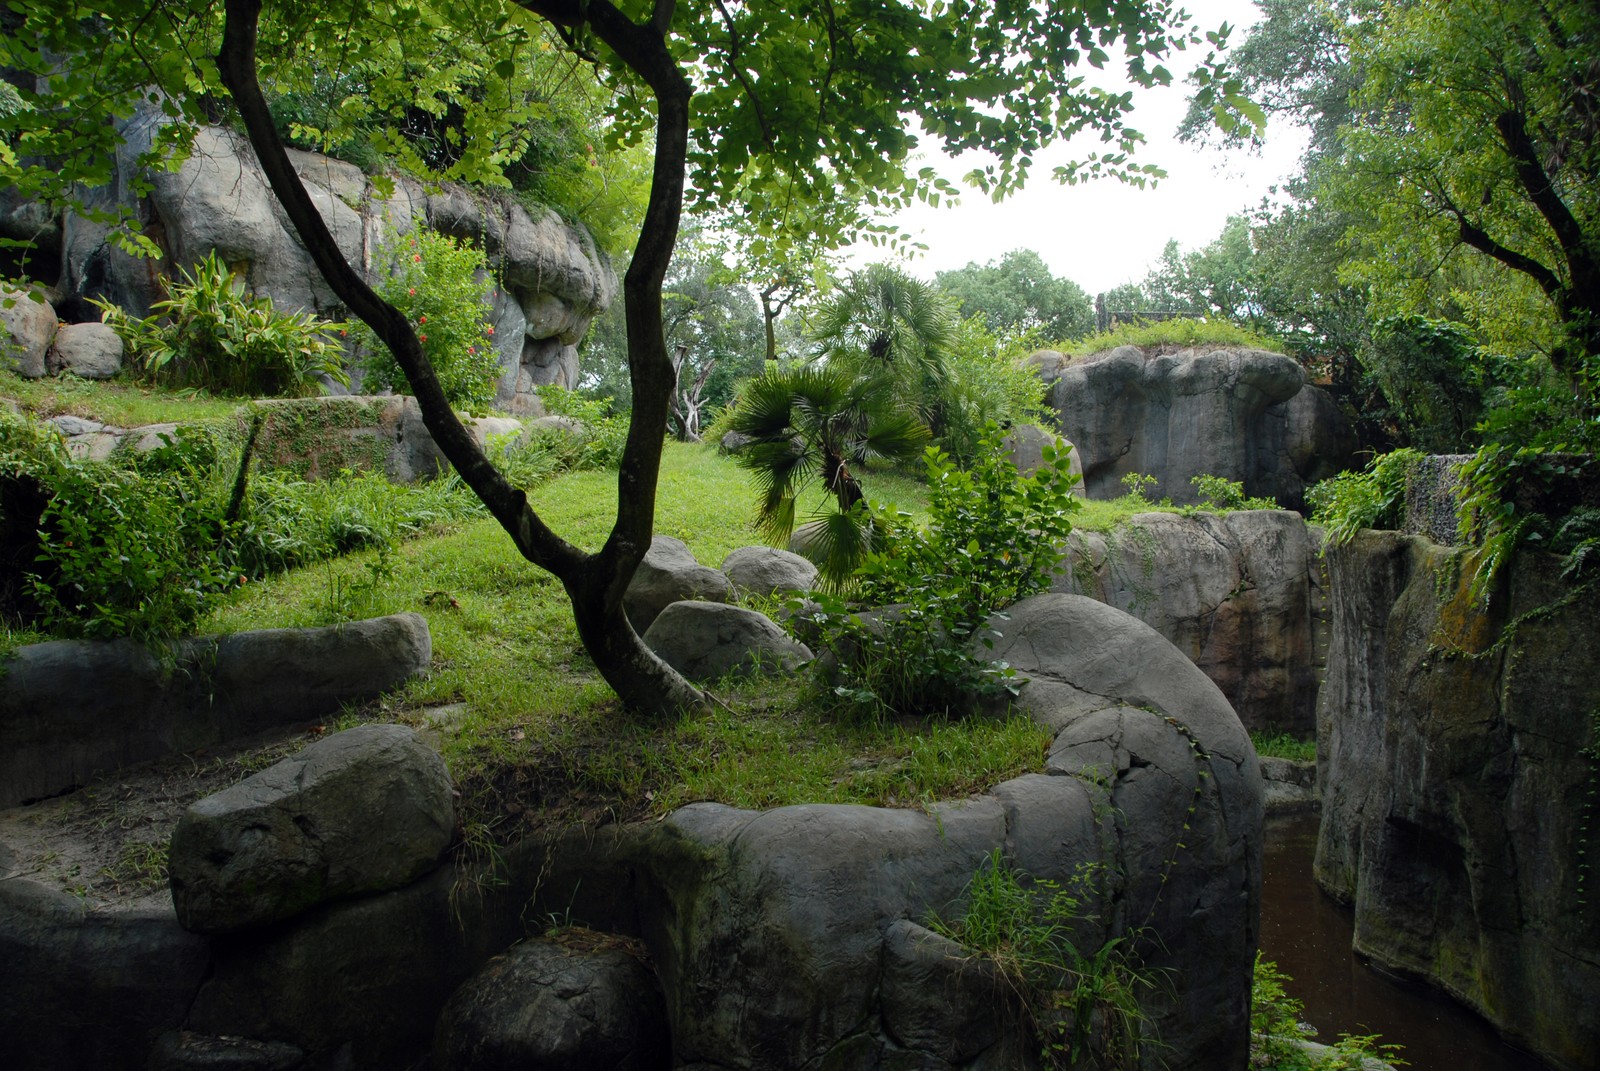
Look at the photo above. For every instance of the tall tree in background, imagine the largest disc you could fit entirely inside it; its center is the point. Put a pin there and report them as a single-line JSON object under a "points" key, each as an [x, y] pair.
{"points": [[819, 95], [1018, 293]]}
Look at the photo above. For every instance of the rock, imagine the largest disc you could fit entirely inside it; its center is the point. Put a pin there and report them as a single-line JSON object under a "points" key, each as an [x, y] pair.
{"points": [[555, 280], [733, 442], [1289, 785], [573, 1003], [186, 1051], [706, 641], [363, 811], [89, 989], [1455, 783], [768, 571], [1025, 443], [72, 709], [1239, 593], [556, 423], [1218, 412], [72, 426], [944, 1003], [669, 574], [88, 351], [1145, 737], [27, 328]]}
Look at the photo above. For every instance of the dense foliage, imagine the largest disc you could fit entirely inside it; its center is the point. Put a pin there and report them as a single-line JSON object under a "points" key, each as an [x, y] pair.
{"points": [[209, 333], [444, 287]]}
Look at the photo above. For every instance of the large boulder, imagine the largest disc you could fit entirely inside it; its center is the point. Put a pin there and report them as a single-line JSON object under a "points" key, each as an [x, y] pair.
{"points": [[1240, 593], [767, 571], [1456, 758], [669, 574], [75, 709], [88, 351], [553, 279], [1222, 412], [361, 811], [706, 641], [1025, 444], [27, 327], [576, 1002]]}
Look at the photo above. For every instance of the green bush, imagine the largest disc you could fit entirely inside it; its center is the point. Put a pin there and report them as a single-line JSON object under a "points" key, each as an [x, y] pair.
{"points": [[1276, 1033], [210, 334], [117, 550], [984, 383], [993, 537], [443, 287], [1372, 498], [1221, 495]]}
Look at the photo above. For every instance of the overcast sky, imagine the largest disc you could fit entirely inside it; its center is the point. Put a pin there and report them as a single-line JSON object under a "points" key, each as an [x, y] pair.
{"points": [[1103, 233]]}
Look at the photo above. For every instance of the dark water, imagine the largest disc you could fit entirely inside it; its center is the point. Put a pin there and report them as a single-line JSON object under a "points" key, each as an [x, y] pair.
{"points": [[1308, 935]]}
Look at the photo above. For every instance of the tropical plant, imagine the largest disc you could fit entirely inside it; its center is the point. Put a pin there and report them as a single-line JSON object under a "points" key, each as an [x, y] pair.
{"points": [[888, 326], [443, 286], [993, 537], [821, 424], [1372, 498], [209, 333]]}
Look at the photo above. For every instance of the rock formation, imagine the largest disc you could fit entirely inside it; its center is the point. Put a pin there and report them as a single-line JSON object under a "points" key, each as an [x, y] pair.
{"points": [[553, 279], [1240, 593], [1457, 753], [1241, 414]]}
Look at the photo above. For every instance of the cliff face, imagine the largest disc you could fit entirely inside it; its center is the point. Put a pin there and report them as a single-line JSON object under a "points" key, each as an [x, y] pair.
{"points": [[1459, 799], [1242, 414], [552, 278]]}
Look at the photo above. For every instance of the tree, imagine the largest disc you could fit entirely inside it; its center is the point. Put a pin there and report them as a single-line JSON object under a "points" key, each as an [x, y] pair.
{"points": [[813, 422], [827, 94], [1477, 134], [1018, 293]]}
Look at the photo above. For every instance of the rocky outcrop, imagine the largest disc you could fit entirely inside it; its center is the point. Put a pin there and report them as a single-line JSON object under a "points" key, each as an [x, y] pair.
{"points": [[669, 573], [1240, 593], [362, 811], [1241, 414], [576, 1002], [27, 328], [706, 641], [1457, 789], [554, 279], [1024, 444], [780, 939], [72, 709]]}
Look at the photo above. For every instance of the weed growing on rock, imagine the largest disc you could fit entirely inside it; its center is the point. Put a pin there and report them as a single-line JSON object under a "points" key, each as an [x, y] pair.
{"points": [[1083, 1006], [1278, 1039]]}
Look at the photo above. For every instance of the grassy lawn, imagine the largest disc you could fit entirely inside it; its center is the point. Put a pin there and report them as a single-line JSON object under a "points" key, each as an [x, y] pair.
{"points": [[119, 402], [530, 730]]}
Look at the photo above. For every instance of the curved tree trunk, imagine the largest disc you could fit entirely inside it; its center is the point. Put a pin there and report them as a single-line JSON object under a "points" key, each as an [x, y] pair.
{"points": [[595, 582]]}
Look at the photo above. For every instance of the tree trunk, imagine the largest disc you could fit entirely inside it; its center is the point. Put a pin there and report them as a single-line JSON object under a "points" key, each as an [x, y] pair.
{"points": [[595, 582]]}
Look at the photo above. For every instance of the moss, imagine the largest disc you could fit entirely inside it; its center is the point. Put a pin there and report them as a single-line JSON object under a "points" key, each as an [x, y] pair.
{"points": [[314, 438]]}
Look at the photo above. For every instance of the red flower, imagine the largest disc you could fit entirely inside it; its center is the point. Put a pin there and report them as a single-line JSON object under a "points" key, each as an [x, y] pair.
{"points": [[416, 258], [411, 290], [422, 319], [490, 330], [422, 338]]}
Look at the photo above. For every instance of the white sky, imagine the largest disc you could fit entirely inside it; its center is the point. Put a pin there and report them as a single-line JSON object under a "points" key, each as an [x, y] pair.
{"points": [[1103, 233]]}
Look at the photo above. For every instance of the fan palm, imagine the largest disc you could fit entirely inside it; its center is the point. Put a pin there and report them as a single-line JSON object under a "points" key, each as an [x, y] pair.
{"points": [[813, 423], [890, 327]]}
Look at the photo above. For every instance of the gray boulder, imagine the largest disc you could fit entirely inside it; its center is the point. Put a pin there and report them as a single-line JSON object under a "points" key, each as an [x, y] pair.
{"points": [[1240, 594], [768, 571], [706, 641], [187, 1051], [669, 574], [72, 710], [578, 1002], [946, 1004], [88, 351], [1222, 412], [27, 328], [362, 811]]}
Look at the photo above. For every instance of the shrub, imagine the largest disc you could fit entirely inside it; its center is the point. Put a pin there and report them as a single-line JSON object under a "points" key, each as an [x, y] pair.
{"points": [[119, 551], [1372, 498], [1222, 495], [443, 287], [211, 334], [983, 383], [993, 537]]}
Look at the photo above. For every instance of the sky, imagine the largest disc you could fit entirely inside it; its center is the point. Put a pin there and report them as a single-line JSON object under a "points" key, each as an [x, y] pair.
{"points": [[1103, 233]]}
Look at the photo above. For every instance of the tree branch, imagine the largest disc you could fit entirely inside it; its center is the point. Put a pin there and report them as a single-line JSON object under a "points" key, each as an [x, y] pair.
{"points": [[237, 65]]}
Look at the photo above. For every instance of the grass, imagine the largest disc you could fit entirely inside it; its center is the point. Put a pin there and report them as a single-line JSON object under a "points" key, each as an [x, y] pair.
{"points": [[119, 402], [1181, 332], [533, 732], [1284, 746]]}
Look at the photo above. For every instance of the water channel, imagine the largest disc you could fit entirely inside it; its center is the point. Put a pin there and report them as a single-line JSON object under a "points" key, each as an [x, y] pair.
{"points": [[1307, 933]]}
